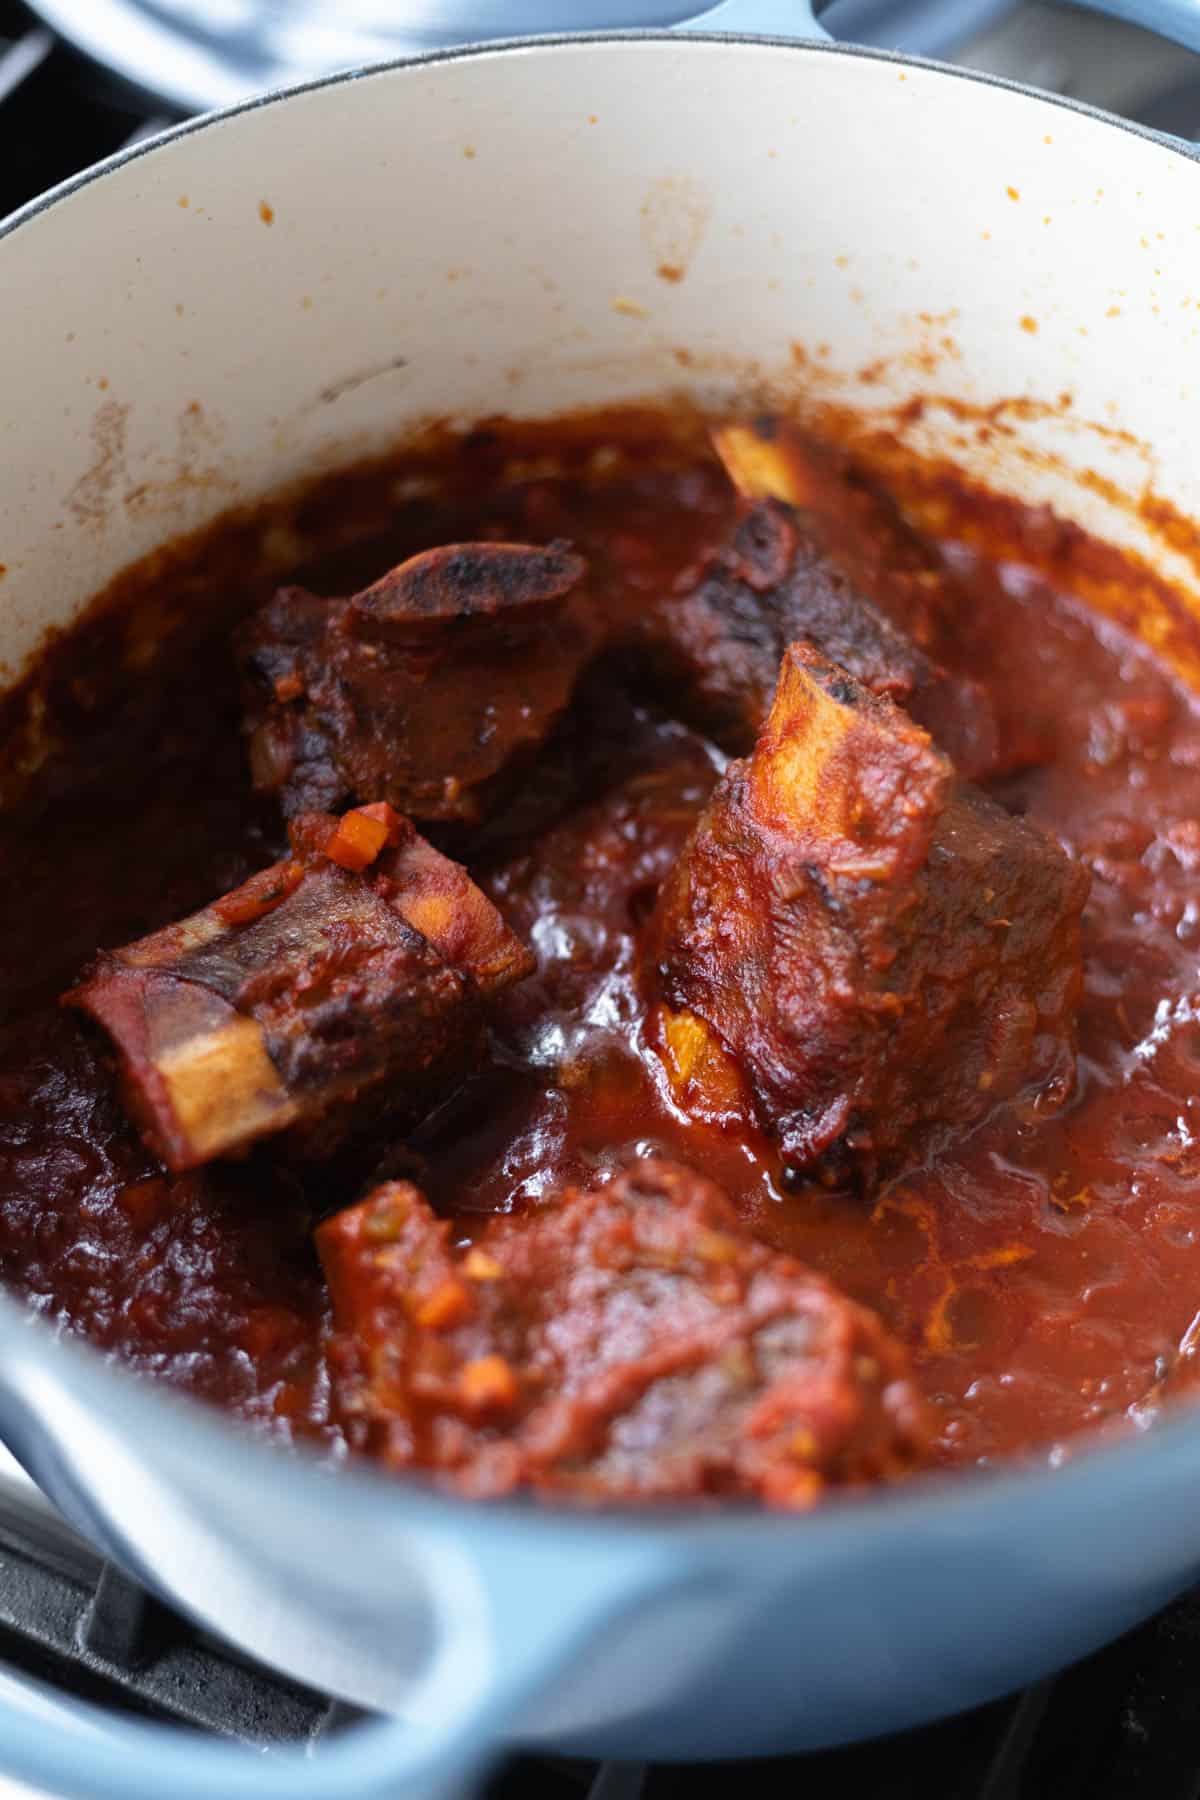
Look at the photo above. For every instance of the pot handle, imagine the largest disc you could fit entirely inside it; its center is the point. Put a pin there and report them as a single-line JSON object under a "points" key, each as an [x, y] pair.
{"points": [[501, 1643], [1176, 20], [768, 18]]}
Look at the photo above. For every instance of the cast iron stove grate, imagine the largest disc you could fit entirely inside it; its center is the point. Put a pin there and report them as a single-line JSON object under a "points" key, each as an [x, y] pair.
{"points": [[58, 113], [1125, 1725]]}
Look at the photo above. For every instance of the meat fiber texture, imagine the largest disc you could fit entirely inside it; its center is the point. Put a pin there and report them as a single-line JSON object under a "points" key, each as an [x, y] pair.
{"points": [[772, 585], [432, 689], [631, 1342], [876, 948]]}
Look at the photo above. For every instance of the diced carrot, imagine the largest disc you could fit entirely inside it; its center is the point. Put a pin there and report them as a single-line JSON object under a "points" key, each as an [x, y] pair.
{"points": [[357, 841], [715, 1246], [799, 1492], [144, 1202], [489, 1384], [288, 687], [398, 827], [479, 1266], [449, 1304], [268, 1329], [390, 1209], [697, 1060]]}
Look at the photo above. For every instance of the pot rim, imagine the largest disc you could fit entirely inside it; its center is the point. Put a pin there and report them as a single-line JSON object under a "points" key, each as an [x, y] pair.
{"points": [[524, 46]]}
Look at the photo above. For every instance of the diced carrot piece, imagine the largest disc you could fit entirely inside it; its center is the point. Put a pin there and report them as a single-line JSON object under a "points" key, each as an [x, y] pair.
{"points": [[479, 1266], [268, 1329], [144, 1202], [398, 827], [716, 1246], [357, 841], [449, 1304], [387, 1213], [489, 1384], [288, 687], [799, 1492]]}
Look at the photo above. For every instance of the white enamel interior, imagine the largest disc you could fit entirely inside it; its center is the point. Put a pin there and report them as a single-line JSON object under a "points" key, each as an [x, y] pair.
{"points": [[483, 234]]}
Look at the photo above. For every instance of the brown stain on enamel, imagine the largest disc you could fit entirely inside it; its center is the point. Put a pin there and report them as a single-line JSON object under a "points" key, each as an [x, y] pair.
{"points": [[673, 220], [195, 465], [946, 501], [89, 501]]}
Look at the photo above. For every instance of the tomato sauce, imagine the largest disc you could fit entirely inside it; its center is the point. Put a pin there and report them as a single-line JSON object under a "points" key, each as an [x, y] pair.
{"points": [[1044, 1273]]}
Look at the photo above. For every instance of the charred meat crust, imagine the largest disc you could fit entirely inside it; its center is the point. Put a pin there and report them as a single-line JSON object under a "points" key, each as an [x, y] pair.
{"points": [[432, 689]]}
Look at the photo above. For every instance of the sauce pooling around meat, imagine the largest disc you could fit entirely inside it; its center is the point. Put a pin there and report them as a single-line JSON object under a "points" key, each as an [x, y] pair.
{"points": [[1041, 1267]]}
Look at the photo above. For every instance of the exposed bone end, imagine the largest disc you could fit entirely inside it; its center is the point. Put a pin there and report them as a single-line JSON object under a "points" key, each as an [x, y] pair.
{"points": [[704, 1078], [313, 996], [901, 619], [847, 772], [764, 462], [458, 582], [200, 1076], [196, 1077]]}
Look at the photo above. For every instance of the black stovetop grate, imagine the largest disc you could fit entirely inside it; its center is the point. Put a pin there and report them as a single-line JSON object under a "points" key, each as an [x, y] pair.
{"points": [[1125, 1725], [58, 113]]}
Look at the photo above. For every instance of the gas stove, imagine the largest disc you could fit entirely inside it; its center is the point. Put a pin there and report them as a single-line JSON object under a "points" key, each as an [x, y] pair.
{"points": [[1125, 1725]]}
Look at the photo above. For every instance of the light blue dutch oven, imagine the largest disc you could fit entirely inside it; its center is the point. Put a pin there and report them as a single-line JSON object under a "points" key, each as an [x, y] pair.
{"points": [[481, 231]]}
